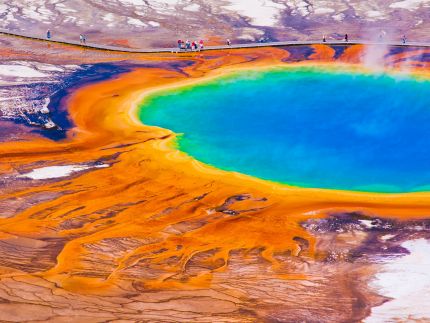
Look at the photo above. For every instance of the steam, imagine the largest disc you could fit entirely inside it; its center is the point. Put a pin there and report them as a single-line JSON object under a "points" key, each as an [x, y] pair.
{"points": [[375, 55]]}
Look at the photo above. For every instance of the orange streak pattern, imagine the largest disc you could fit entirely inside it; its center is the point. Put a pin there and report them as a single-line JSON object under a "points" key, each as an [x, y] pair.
{"points": [[159, 219]]}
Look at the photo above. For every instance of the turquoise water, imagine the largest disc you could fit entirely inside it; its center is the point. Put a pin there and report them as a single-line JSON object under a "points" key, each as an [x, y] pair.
{"points": [[306, 127]]}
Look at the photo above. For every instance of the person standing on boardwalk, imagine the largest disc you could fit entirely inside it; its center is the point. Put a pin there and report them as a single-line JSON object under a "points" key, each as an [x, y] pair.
{"points": [[382, 35], [81, 38], [179, 44], [201, 44], [84, 39], [48, 34], [404, 39], [228, 42], [346, 37], [324, 40]]}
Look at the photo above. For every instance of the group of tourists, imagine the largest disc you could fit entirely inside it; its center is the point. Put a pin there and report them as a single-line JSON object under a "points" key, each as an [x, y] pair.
{"points": [[190, 45], [194, 45]]}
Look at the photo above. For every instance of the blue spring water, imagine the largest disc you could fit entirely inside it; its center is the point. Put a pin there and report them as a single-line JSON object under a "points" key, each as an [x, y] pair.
{"points": [[308, 127]]}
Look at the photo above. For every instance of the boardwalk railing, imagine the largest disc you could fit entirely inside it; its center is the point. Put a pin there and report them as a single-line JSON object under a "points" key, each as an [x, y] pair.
{"points": [[234, 46]]}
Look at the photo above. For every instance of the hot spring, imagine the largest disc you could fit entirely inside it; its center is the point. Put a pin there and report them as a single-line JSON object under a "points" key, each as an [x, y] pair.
{"points": [[305, 126]]}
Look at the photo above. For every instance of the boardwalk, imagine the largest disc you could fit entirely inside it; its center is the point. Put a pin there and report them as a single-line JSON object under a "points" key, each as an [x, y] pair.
{"points": [[234, 46]]}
